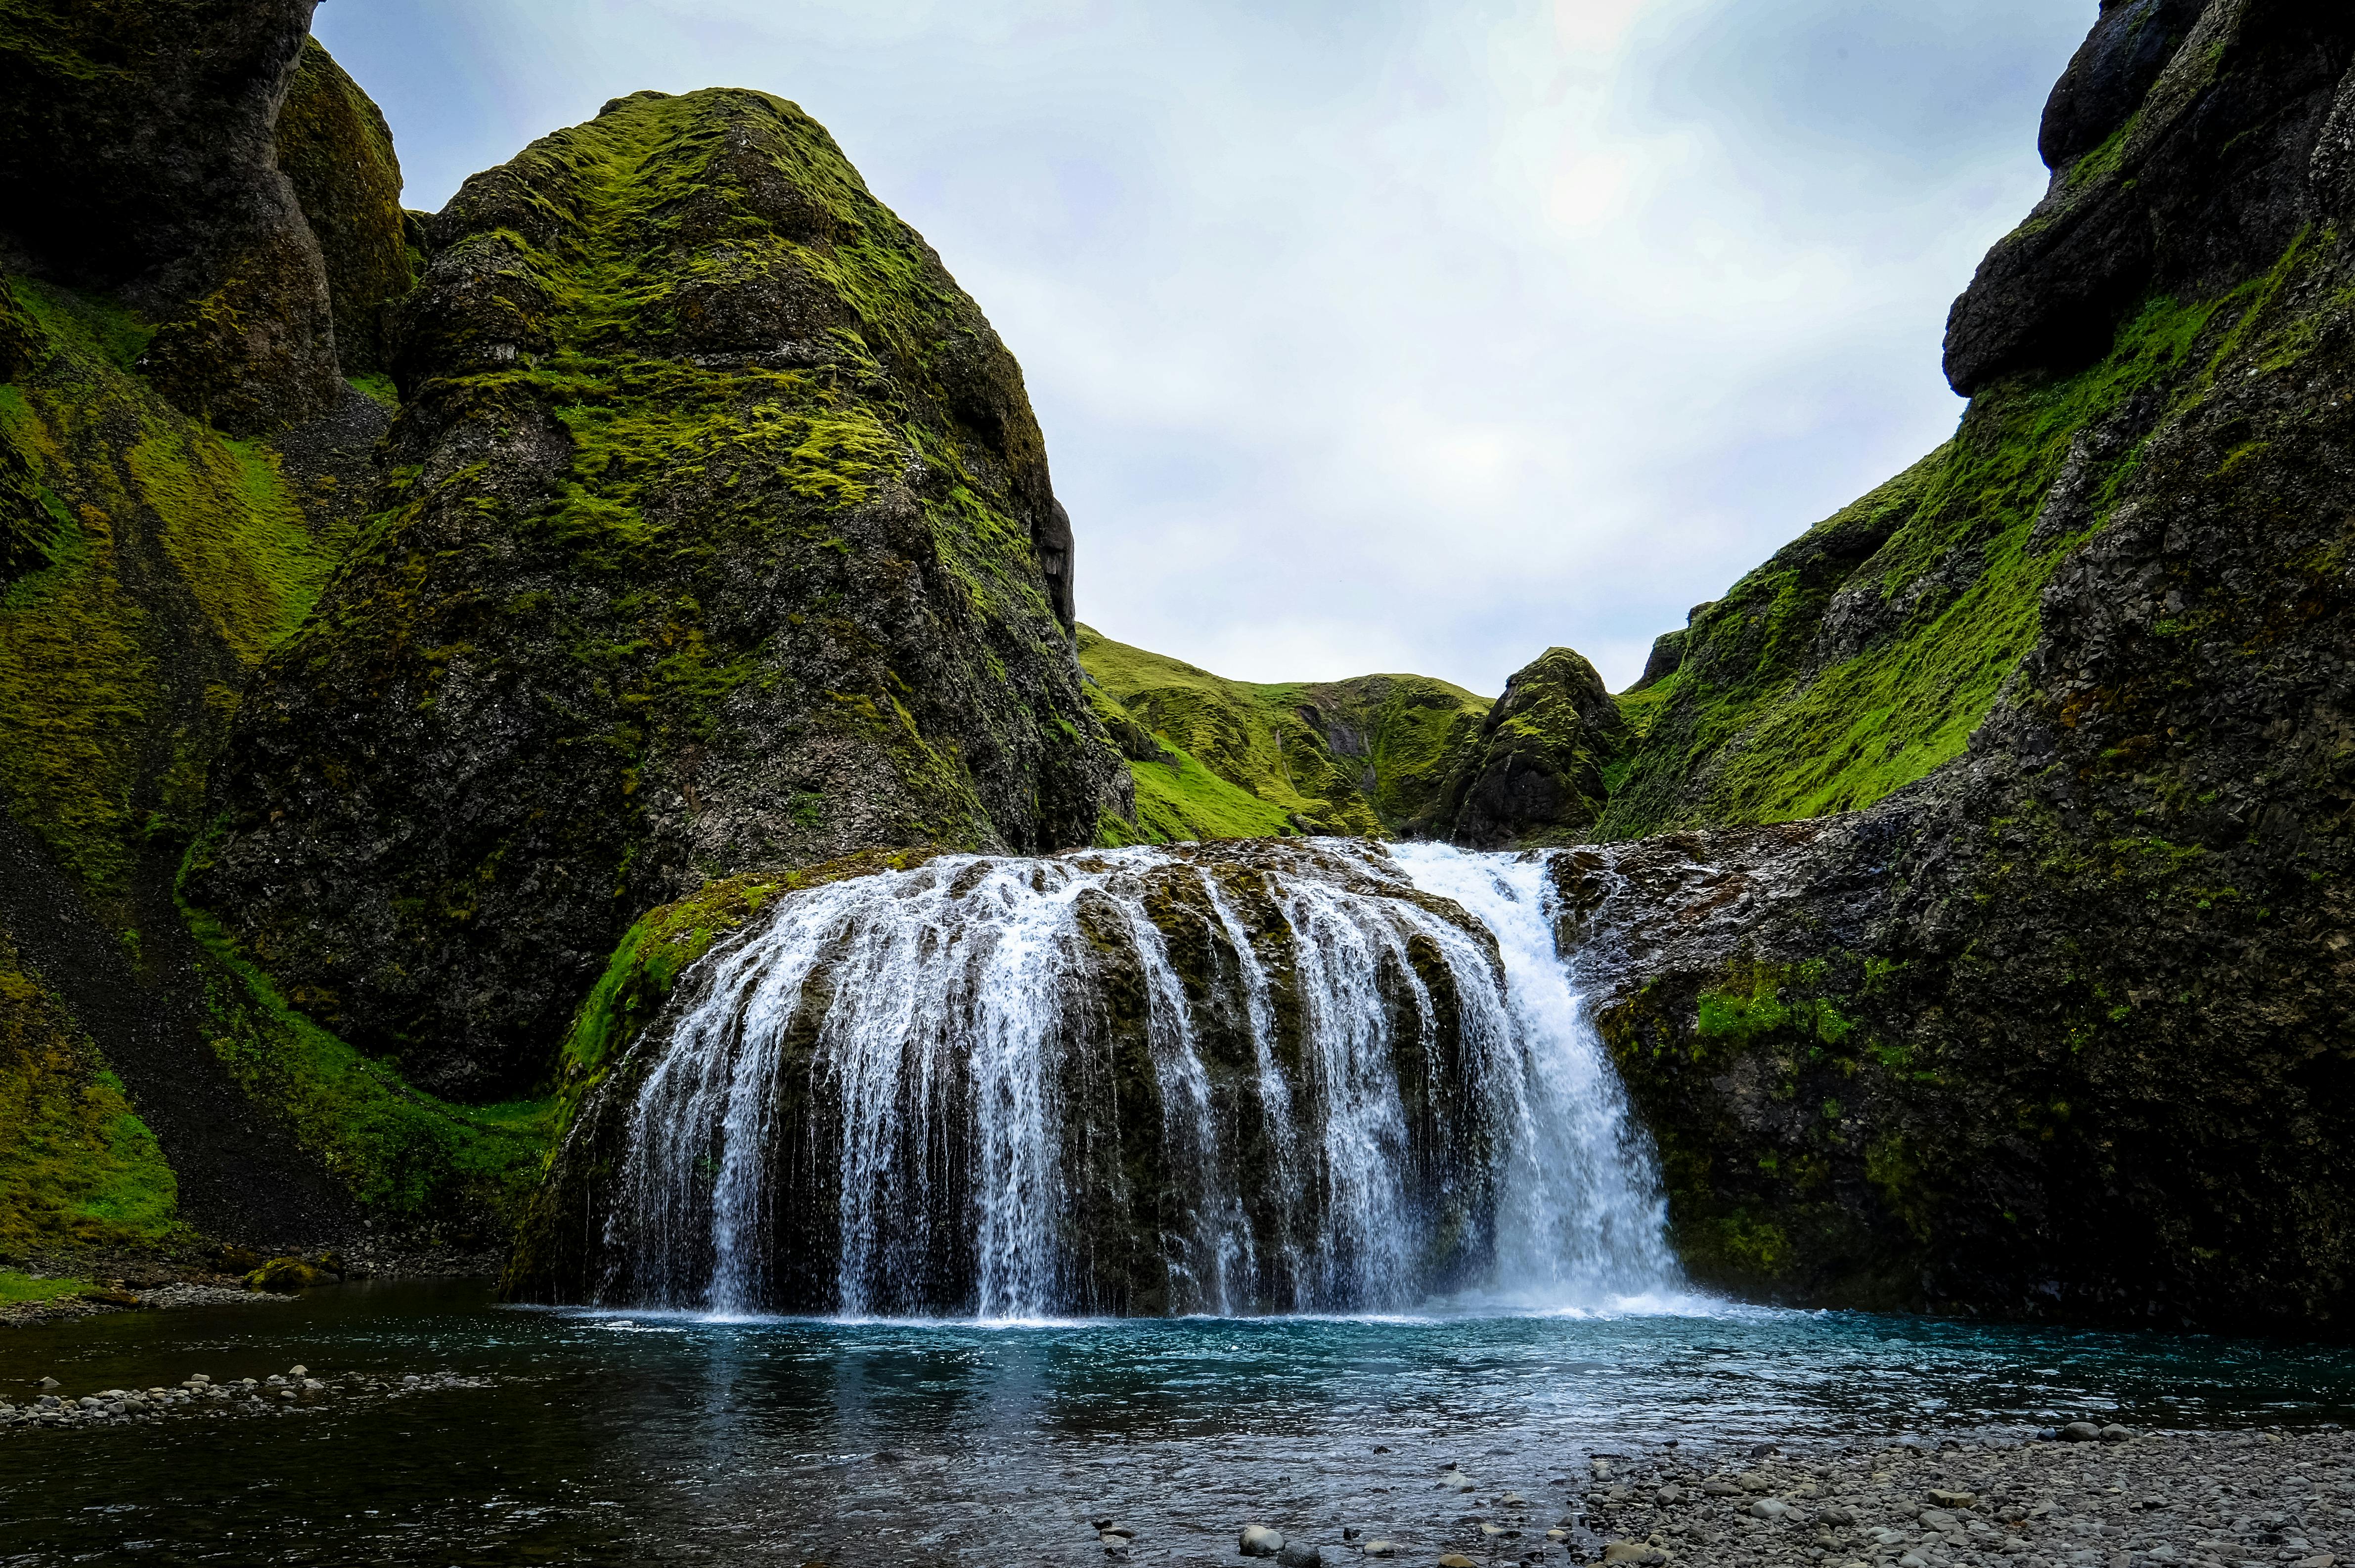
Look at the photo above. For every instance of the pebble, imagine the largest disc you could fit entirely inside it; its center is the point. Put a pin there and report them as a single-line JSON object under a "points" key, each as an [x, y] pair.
{"points": [[1258, 1540]]}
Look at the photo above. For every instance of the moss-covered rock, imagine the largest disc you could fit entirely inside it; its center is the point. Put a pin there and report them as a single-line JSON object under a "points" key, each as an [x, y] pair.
{"points": [[711, 546], [336, 150], [1215, 759], [136, 157], [1540, 772]]}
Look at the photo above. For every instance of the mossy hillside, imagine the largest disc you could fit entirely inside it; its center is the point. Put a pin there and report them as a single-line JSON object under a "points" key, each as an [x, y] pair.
{"points": [[1862, 657], [708, 548], [412, 1161], [1358, 757], [336, 148], [175, 559], [79, 1169]]}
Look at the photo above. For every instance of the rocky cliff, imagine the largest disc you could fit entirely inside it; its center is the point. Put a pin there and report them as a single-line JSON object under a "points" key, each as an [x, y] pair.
{"points": [[715, 537], [717, 534], [2057, 1023]]}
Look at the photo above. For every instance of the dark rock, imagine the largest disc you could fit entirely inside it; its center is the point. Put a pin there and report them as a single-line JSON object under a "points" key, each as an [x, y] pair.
{"points": [[1299, 1554], [1536, 774], [738, 578], [2081, 1432], [136, 156], [2179, 175], [335, 148]]}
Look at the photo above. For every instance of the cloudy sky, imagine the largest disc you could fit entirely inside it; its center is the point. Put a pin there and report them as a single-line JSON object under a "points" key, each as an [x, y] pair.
{"points": [[1385, 334]]}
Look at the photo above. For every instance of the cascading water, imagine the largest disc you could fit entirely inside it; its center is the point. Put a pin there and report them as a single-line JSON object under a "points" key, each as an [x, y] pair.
{"points": [[1217, 1078]]}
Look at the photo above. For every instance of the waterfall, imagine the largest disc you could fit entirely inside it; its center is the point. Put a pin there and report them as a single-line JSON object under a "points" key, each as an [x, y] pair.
{"points": [[1264, 1078]]}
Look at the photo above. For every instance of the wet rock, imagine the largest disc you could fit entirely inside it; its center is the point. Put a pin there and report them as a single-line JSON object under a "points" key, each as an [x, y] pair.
{"points": [[1299, 1554], [1381, 1547], [1457, 1560], [1639, 1553], [2116, 1433], [1258, 1540], [2081, 1432]]}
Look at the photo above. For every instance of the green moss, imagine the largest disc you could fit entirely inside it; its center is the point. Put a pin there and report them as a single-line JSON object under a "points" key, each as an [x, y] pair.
{"points": [[1364, 755], [405, 1155], [135, 488], [77, 1168], [17, 1287], [1770, 720]]}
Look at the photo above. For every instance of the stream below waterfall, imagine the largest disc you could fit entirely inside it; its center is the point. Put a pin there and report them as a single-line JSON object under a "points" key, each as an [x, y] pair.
{"points": [[616, 1438]]}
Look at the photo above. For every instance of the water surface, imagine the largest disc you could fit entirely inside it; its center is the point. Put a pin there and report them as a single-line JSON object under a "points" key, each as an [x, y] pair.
{"points": [[627, 1438]]}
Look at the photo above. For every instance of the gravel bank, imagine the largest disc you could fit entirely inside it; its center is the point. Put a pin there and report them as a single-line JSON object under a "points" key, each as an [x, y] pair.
{"points": [[198, 1398], [2244, 1499]]}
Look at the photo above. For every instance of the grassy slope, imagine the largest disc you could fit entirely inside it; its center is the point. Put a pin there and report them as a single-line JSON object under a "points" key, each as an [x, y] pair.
{"points": [[77, 1167], [1246, 762], [168, 537], [1769, 720]]}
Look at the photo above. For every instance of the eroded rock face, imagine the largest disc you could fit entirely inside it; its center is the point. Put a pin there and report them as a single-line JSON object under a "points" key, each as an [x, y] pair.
{"points": [[136, 156], [708, 548], [336, 148]]}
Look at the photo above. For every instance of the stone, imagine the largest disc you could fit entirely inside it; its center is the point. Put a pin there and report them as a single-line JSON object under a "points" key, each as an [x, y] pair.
{"points": [[1380, 1547], [1258, 1540], [1953, 1499], [1299, 1554], [1640, 1553], [48, 1382], [2081, 1432], [2116, 1433], [1512, 1499], [1457, 1560], [1773, 1509]]}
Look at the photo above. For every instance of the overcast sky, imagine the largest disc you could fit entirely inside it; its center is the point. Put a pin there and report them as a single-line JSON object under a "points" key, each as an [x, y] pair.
{"points": [[1384, 335]]}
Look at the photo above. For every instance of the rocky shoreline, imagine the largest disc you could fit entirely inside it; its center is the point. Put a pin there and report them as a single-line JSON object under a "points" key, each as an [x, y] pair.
{"points": [[226, 1275], [2109, 1498], [292, 1393]]}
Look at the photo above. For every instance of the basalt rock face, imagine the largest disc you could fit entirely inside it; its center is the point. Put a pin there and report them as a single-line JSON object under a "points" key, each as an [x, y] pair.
{"points": [[2185, 144], [335, 150], [1537, 775], [136, 158], [715, 540], [2059, 1027]]}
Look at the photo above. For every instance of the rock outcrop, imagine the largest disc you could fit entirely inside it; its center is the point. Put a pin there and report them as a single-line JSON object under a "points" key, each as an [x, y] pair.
{"points": [[1538, 775], [2056, 1025], [709, 544], [136, 159], [335, 150]]}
